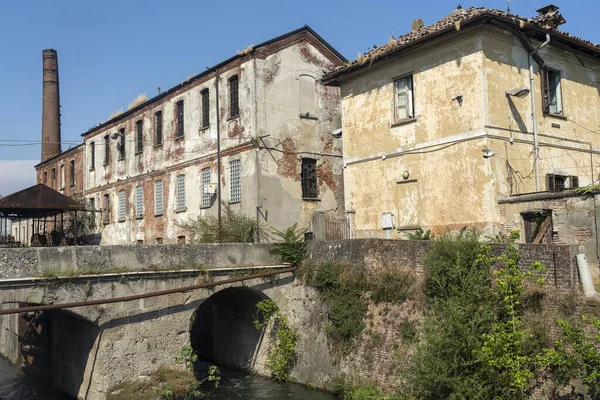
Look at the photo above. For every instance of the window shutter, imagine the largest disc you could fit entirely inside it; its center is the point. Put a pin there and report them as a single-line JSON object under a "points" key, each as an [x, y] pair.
{"points": [[402, 99], [122, 205], [139, 201], [180, 192], [550, 182], [158, 198], [544, 77], [409, 94], [574, 181]]}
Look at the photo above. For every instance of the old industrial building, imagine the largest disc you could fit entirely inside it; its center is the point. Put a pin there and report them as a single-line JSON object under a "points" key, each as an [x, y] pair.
{"points": [[149, 170]]}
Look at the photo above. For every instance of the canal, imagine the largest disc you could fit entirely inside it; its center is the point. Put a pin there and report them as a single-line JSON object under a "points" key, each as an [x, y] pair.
{"points": [[234, 385]]}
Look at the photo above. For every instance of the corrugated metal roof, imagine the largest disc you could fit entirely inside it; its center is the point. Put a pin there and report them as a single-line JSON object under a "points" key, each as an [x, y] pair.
{"points": [[38, 200]]}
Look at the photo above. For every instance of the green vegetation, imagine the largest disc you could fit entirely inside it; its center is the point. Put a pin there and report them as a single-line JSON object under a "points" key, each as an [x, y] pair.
{"points": [[282, 357], [588, 189], [51, 273], [291, 248], [235, 228], [347, 390], [420, 235]]}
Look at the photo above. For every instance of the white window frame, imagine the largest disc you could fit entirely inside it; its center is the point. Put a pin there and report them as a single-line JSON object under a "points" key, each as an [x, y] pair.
{"points": [[206, 197], [122, 204], [139, 201], [555, 107], [235, 181], [406, 84], [158, 198], [180, 193]]}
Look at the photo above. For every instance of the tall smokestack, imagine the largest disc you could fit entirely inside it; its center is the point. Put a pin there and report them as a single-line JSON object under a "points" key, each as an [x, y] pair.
{"points": [[50, 106]]}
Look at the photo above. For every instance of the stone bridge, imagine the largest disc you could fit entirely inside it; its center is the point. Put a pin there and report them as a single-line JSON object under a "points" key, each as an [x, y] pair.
{"points": [[88, 349]]}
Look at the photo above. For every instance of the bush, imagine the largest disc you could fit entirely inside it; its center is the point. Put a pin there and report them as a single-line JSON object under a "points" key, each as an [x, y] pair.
{"points": [[392, 286], [292, 247]]}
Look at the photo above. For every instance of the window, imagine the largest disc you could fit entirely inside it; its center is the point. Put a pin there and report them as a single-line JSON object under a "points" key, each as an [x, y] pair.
{"points": [[158, 124], [45, 177], [180, 132], [139, 201], [403, 98], [205, 108], [106, 150], [538, 226], [106, 210], [122, 204], [139, 143], [72, 169], [234, 105], [92, 204], [158, 198], [551, 91], [53, 173], [122, 144], [92, 156], [180, 193], [556, 183], [309, 178], [235, 184], [62, 176], [206, 195]]}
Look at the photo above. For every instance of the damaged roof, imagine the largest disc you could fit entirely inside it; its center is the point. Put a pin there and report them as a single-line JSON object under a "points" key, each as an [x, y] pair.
{"points": [[546, 22], [37, 201]]}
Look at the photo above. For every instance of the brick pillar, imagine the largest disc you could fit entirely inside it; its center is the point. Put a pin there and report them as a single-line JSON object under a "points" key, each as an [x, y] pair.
{"points": [[50, 106]]}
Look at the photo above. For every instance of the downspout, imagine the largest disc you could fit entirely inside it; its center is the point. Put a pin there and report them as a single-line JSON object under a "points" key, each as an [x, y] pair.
{"points": [[536, 147], [218, 156]]}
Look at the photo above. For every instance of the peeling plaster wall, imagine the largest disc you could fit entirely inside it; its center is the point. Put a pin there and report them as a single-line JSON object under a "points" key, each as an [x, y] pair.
{"points": [[450, 185], [271, 101]]}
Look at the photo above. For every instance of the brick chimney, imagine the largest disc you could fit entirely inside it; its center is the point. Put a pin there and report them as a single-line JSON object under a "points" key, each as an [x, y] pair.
{"points": [[50, 106]]}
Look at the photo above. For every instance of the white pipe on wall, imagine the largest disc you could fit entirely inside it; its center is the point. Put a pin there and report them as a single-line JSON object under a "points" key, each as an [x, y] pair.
{"points": [[585, 276]]}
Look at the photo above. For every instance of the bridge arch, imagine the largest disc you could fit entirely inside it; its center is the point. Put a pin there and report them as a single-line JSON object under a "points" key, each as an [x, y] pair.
{"points": [[222, 328]]}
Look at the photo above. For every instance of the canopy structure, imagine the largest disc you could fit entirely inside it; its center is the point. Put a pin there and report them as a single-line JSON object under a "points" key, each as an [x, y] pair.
{"points": [[37, 203]]}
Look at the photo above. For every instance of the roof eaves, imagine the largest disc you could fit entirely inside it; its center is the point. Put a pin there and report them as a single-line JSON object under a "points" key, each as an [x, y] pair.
{"points": [[72, 149]]}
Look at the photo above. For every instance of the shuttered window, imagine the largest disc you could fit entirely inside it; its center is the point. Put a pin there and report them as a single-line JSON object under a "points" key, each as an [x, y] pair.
{"points": [[106, 210], [556, 183], [158, 198], [235, 184], [309, 178], [180, 131], [234, 105], [92, 156], [205, 108], [206, 195], [139, 143], [139, 201], [122, 205], [158, 125], [403, 88], [180, 195]]}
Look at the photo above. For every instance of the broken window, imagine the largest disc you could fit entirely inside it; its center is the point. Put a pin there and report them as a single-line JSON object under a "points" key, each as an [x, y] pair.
{"points": [[309, 178], [235, 182], [106, 210], [106, 150], [556, 183], [139, 201], [158, 124], [92, 156], [206, 193], [139, 143], [551, 91], [122, 144], [403, 98], [205, 108], [538, 226], [122, 206], [234, 106], [158, 198], [72, 170], [180, 193], [180, 131]]}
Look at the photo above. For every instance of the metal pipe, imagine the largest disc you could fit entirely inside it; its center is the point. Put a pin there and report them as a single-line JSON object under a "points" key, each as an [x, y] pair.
{"points": [[218, 156], [142, 295], [536, 148]]}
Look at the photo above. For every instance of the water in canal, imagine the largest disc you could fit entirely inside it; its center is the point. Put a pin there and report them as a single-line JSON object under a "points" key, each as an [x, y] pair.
{"points": [[234, 385]]}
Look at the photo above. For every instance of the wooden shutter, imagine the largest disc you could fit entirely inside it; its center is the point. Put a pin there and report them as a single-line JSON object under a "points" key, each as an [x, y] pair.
{"points": [[574, 181], [139, 201], [158, 198], [550, 182], [122, 206], [544, 77]]}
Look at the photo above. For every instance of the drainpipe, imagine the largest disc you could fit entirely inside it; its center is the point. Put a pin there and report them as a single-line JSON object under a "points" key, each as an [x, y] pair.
{"points": [[536, 147], [218, 156]]}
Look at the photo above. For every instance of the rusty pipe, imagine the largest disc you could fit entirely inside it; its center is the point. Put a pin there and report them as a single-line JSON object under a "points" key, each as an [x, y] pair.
{"points": [[142, 295]]}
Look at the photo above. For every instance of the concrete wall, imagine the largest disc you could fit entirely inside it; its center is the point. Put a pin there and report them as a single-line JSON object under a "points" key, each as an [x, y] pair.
{"points": [[450, 185], [30, 262]]}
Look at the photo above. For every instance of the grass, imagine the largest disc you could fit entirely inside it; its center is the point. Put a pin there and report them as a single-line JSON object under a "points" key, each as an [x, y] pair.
{"points": [[150, 388], [115, 114], [51, 273], [141, 99]]}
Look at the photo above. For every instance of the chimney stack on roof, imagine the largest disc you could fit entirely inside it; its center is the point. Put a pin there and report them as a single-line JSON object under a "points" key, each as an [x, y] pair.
{"points": [[417, 24], [50, 106], [549, 17]]}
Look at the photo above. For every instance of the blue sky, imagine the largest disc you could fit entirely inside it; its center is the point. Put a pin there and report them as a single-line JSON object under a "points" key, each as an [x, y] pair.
{"points": [[109, 51]]}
